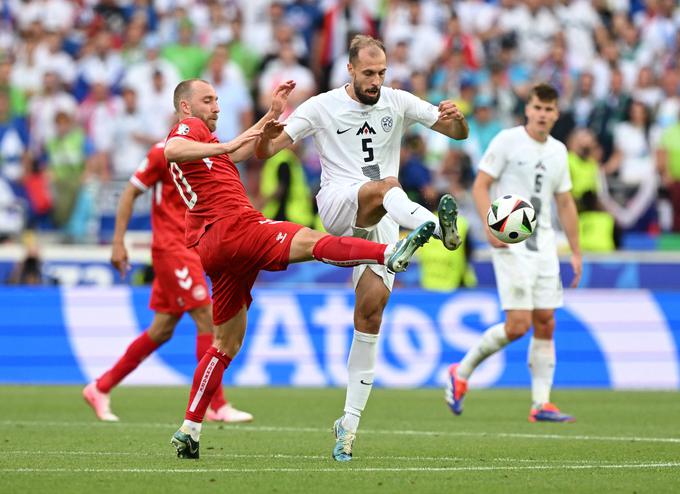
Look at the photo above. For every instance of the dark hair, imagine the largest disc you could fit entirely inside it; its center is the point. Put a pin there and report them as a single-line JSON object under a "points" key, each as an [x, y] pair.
{"points": [[544, 92], [183, 91], [363, 41]]}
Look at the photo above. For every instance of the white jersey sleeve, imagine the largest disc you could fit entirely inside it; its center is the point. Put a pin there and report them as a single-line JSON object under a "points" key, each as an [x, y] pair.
{"points": [[304, 121], [416, 110]]}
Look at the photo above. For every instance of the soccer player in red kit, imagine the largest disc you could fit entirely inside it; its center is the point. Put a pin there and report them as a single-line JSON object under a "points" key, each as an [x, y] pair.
{"points": [[179, 285], [235, 241]]}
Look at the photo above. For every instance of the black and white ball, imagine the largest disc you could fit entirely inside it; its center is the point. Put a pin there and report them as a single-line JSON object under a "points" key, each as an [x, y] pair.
{"points": [[511, 218]]}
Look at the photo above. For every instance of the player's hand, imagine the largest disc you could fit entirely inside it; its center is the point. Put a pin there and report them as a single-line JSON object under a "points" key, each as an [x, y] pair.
{"points": [[448, 111], [494, 242], [280, 97], [249, 135], [577, 266], [119, 259], [272, 128]]}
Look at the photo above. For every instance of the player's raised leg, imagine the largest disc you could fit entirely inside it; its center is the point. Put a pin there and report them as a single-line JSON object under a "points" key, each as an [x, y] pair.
{"points": [[381, 196], [96, 393], [350, 251]]}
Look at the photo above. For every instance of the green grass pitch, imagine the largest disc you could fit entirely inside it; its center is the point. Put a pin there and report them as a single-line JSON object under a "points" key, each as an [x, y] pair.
{"points": [[408, 442]]}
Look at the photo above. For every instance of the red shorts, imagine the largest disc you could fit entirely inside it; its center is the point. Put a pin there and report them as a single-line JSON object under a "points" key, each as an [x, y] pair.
{"points": [[234, 250], [179, 284]]}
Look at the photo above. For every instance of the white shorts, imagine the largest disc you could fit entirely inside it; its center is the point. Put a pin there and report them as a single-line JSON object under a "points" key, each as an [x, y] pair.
{"points": [[338, 207], [527, 281]]}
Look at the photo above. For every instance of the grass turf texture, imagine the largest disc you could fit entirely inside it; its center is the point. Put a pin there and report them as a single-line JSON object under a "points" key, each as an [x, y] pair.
{"points": [[408, 442]]}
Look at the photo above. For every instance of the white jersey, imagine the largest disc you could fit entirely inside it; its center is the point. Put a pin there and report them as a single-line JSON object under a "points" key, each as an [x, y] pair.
{"points": [[534, 170], [358, 142]]}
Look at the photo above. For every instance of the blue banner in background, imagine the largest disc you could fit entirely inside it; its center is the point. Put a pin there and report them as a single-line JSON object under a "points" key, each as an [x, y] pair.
{"points": [[596, 274], [604, 338]]}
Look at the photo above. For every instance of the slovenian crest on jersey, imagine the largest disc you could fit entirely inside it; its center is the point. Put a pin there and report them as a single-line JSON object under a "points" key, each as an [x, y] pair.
{"points": [[386, 123]]}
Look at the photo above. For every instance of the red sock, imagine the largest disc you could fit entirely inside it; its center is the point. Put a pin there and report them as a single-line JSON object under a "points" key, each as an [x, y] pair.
{"points": [[207, 378], [348, 251], [138, 350], [203, 342]]}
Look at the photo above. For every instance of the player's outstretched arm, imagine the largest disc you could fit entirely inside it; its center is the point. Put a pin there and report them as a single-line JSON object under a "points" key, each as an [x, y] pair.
{"points": [[566, 211], [451, 121], [181, 150], [480, 194], [278, 105], [119, 254]]}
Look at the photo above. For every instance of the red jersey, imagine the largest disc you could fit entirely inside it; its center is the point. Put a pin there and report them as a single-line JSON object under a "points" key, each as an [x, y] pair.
{"points": [[211, 187], [167, 208]]}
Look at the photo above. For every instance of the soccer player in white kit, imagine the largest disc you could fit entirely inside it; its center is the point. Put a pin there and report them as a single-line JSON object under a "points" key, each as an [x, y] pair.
{"points": [[357, 130], [526, 160]]}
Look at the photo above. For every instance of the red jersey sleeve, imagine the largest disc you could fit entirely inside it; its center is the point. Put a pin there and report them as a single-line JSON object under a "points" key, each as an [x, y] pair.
{"points": [[151, 169], [193, 129]]}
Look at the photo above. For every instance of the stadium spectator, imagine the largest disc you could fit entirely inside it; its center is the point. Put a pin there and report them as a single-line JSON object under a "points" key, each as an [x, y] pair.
{"points": [[235, 241], [241, 53], [52, 58], [632, 179], [414, 175], [188, 57], [668, 163], [97, 114], [154, 80], [44, 107], [232, 92], [179, 286], [584, 168], [70, 160], [361, 196], [101, 63], [609, 112], [14, 139], [597, 229], [669, 107], [130, 133], [17, 98], [284, 191], [283, 68], [483, 127], [526, 160]]}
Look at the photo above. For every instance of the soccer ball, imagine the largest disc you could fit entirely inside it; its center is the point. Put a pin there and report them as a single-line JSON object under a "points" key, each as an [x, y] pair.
{"points": [[511, 218]]}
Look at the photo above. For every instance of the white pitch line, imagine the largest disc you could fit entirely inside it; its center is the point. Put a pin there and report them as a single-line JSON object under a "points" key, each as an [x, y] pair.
{"points": [[276, 456], [344, 470], [396, 432]]}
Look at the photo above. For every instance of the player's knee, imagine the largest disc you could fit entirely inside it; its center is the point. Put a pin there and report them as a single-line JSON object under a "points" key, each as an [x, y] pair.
{"points": [[160, 333], [544, 328], [516, 328]]}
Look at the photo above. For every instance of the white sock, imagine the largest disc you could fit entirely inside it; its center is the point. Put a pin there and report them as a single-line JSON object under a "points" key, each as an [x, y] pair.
{"points": [[492, 340], [192, 428], [407, 213], [360, 371], [542, 368]]}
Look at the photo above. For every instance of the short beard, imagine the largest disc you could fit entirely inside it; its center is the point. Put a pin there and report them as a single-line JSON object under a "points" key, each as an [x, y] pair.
{"points": [[364, 98]]}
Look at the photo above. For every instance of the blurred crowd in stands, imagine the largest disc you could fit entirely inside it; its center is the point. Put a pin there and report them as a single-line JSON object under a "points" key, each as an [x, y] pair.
{"points": [[86, 88]]}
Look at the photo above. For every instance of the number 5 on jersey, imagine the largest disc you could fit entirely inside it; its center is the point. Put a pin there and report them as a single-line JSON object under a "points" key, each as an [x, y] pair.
{"points": [[188, 195]]}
